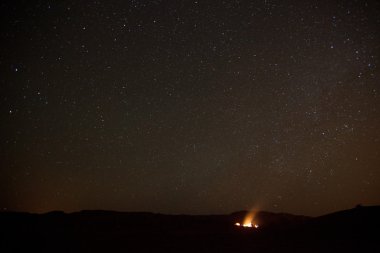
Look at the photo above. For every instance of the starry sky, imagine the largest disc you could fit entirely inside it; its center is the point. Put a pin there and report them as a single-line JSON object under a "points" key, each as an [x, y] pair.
{"points": [[195, 107]]}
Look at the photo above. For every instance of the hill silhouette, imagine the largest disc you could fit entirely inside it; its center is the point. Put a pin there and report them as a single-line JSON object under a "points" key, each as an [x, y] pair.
{"points": [[353, 230]]}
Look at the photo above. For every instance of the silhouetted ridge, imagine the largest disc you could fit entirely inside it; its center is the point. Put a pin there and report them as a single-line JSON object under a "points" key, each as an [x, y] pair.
{"points": [[353, 230]]}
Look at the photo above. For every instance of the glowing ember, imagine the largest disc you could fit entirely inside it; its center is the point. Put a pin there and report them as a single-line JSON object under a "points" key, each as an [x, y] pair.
{"points": [[246, 225]]}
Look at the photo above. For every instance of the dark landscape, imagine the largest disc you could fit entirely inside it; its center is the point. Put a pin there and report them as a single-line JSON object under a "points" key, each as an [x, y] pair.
{"points": [[190, 126], [354, 230]]}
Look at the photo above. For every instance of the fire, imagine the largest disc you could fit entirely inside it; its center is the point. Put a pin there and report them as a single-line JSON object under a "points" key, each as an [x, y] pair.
{"points": [[248, 221], [247, 225]]}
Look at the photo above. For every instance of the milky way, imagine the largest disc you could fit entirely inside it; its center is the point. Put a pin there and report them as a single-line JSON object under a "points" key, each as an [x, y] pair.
{"points": [[189, 106]]}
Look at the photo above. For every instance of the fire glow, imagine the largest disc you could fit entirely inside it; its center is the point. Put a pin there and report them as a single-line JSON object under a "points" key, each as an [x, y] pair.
{"points": [[248, 221], [247, 225]]}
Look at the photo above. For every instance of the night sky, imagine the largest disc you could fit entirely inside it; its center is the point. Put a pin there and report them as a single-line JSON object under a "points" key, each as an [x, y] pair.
{"points": [[196, 107]]}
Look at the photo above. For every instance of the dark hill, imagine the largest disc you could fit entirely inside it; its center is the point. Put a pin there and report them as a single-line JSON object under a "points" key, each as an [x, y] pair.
{"points": [[107, 231]]}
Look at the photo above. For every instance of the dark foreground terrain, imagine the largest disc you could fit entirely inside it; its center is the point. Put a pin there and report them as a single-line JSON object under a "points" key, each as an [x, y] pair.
{"points": [[355, 230]]}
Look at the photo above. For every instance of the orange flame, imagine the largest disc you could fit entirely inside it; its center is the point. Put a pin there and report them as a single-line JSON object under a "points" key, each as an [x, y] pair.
{"points": [[248, 221], [249, 218]]}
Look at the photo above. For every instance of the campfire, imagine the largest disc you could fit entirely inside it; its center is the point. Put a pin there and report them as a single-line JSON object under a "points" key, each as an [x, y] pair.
{"points": [[247, 225], [248, 221]]}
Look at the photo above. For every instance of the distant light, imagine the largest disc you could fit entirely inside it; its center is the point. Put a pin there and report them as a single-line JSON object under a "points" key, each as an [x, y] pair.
{"points": [[247, 225], [248, 221]]}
